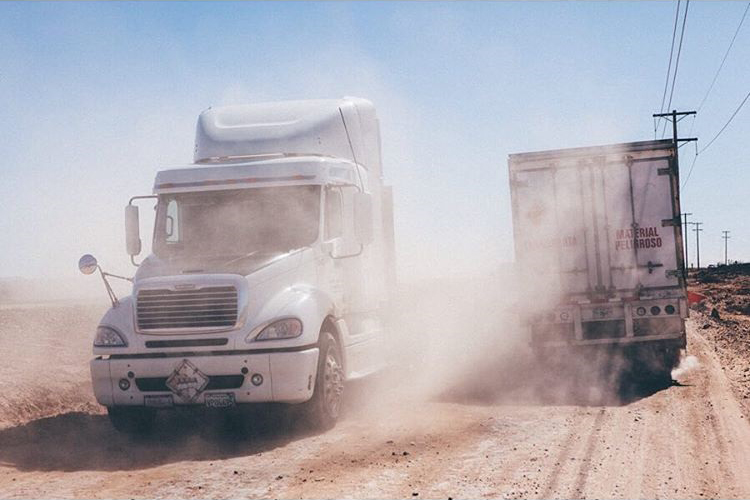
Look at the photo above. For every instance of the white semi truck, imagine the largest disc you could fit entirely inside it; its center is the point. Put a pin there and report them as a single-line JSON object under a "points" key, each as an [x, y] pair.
{"points": [[272, 263], [598, 241]]}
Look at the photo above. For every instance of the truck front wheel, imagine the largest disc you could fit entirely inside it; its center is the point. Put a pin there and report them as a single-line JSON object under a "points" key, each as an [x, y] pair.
{"points": [[132, 420], [322, 410]]}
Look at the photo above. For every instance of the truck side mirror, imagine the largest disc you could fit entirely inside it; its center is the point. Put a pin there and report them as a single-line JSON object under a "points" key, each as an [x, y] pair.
{"points": [[132, 231], [87, 264], [363, 218]]}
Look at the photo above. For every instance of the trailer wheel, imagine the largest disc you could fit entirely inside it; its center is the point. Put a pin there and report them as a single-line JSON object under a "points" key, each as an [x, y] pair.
{"points": [[322, 410], [132, 420]]}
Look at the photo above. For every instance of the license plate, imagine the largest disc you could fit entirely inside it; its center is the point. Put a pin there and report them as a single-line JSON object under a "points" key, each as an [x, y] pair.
{"points": [[221, 400], [164, 401], [602, 312]]}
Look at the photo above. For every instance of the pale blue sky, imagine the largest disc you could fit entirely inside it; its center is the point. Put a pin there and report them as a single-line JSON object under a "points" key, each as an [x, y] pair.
{"points": [[95, 97]]}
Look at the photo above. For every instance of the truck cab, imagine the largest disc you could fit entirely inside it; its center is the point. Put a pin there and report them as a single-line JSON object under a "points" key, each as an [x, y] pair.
{"points": [[270, 271]]}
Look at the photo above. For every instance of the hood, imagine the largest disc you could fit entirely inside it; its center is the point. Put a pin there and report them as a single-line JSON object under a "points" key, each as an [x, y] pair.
{"points": [[154, 266]]}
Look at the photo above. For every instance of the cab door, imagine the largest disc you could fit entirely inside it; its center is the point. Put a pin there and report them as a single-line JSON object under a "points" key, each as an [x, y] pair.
{"points": [[330, 267], [345, 277]]}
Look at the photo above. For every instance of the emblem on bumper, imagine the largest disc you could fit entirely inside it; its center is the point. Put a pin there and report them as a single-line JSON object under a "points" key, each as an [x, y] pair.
{"points": [[187, 381]]}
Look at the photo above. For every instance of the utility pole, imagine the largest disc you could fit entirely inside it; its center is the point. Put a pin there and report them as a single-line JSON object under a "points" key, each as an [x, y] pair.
{"points": [[726, 237], [676, 141], [673, 115], [697, 230], [685, 237]]}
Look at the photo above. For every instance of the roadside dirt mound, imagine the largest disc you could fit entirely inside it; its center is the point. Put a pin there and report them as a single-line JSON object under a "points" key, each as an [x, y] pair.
{"points": [[724, 319], [44, 364]]}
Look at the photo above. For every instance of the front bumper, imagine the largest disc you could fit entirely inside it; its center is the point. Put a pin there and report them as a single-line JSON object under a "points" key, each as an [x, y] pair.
{"points": [[288, 377]]}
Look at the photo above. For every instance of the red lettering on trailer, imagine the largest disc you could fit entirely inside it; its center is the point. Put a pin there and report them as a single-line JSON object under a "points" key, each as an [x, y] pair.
{"points": [[562, 242], [641, 237]]}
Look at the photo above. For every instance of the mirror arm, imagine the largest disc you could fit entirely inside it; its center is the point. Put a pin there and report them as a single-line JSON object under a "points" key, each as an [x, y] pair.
{"points": [[143, 197], [110, 292], [117, 276]]}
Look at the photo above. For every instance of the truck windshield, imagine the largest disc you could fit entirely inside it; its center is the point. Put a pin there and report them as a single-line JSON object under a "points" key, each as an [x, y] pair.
{"points": [[237, 222]]}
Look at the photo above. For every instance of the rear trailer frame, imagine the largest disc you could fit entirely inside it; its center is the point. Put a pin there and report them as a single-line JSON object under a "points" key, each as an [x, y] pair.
{"points": [[618, 268]]}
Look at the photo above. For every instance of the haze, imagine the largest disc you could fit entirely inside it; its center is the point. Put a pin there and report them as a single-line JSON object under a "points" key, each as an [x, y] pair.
{"points": [[96, 97]]}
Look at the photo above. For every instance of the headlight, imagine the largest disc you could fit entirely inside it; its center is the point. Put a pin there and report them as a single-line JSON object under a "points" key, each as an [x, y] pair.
{"points": [[109, 337], [282, 329]]}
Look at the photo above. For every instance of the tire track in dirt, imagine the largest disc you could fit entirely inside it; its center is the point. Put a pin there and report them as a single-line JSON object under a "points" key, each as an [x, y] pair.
{"points": [[729, 430], [509, 460], [401, 461], [572, 465], [675, 443], [584, 466], [563, 456]]}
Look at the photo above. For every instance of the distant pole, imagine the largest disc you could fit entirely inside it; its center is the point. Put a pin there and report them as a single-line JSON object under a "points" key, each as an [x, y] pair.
{"points": [[726, 237], [697, 230], [685, 237]]}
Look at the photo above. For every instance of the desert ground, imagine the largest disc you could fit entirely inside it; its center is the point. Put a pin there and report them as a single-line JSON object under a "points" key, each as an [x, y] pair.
{"points": [[510, 436]]}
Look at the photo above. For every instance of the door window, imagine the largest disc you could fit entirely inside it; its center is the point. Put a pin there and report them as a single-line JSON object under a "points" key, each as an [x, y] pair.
{"points": [[334, 218], [172, 228]]}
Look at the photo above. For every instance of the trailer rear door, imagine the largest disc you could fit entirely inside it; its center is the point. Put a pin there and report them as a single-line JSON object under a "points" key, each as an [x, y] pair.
{"points": [[598, 224]]}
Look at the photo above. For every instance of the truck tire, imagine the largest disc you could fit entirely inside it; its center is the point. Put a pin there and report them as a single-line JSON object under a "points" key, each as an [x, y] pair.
{"points": [[132, 420], [322, 410]]}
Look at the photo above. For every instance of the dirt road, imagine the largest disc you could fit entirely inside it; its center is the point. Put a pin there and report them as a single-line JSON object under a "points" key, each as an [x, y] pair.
{"points": [[686, 440]]}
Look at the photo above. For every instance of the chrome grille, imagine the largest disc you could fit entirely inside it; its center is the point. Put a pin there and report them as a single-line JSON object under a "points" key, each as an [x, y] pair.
{"points": [[210, 307]]}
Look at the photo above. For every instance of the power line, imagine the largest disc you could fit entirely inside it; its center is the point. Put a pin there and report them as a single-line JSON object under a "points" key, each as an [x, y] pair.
{"points": [[669, 66], [726, 124], [725, 57], [687, 178], [715, 137], [703, 101], [677, 61]]}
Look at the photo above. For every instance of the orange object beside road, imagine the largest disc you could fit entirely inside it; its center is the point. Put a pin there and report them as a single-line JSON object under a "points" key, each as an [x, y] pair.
{"points": [[694, 298]]}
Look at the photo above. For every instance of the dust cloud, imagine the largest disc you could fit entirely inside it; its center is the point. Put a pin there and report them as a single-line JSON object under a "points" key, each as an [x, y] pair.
{"points": [[454, 336], [688, 364], [466, 340], [456, 333]]}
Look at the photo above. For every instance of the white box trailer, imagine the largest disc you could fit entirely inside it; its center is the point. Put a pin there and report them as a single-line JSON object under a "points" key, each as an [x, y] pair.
{"points": [[598, 241], [271, 269]]}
